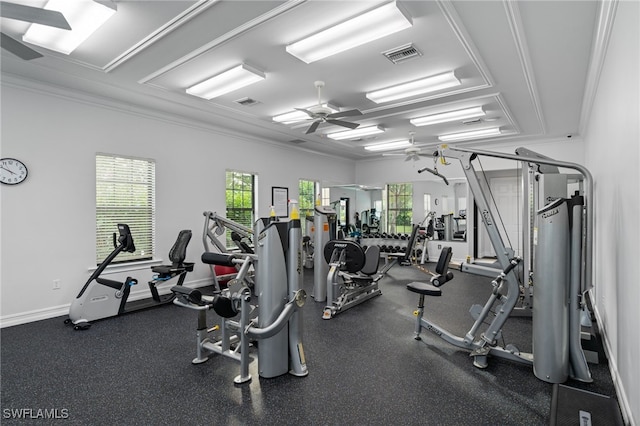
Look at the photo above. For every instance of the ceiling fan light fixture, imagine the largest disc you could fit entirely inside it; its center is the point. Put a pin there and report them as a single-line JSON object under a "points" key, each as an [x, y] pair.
{"points": [[444, 117], [372, 25], [355, 133], [475, 134], [388, 146], [228, 81], [414, 88], [84, 17]]}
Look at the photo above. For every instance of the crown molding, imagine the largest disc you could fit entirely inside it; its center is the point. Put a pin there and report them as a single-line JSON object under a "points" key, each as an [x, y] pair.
{"points": [[604, 27], [515, 24], [19, 82]]}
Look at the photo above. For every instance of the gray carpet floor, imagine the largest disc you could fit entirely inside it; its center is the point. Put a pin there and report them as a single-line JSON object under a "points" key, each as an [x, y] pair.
{"points": [[365, 368]]}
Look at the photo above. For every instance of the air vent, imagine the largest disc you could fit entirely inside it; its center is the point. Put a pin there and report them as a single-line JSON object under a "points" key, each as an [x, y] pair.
{"points": [[402, 53], [297, 141], [246, 102]]}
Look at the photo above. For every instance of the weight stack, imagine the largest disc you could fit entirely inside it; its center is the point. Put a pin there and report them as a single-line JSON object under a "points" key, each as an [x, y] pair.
{"points": [[550, 295]]}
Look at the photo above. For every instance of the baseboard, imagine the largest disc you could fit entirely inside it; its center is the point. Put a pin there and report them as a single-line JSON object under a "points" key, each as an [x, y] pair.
{"points": [[57, 311], [623, 400], [32, 316]]}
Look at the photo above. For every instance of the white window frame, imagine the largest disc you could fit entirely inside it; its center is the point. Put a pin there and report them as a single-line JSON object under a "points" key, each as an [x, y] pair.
{"points": [[125, 193]]}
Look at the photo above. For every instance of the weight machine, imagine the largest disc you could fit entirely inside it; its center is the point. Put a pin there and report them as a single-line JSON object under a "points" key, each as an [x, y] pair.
{"points": [[562, 276], [353, 276], [216, 226], [278, 327]]}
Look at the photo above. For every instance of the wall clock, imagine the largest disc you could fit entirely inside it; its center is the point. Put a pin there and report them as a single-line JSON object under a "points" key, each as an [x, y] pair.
{"points": [[12, 171]]}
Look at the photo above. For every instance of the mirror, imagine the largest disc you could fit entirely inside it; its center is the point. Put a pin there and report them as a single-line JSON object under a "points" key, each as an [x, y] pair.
{"points": [[443, 206], [361, 208]]}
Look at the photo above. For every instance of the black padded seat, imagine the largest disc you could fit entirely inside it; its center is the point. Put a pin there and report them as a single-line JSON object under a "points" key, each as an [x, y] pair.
{"points": [[177, 255], [372, 258], [424, 289]]}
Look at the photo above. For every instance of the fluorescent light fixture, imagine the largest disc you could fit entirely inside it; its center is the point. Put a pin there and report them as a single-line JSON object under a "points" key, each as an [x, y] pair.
{"points": [[369, 26], [295, 116], [444, 117], [475, 134], [355, 133], [228, 81], [84, 17], [388, 146], [415, 88]]}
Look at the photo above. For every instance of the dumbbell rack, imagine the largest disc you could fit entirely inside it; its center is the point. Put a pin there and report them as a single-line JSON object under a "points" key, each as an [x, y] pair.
{"points": [[390, 244]]}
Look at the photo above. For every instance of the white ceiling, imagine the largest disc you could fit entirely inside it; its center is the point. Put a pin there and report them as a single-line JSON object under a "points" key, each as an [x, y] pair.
{"points": [[525, 62]]}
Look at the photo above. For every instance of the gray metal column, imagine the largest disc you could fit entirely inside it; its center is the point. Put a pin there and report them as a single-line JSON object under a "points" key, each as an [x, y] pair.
{"points": [[323, 218], [271, 276], [579, 368], [297, 362], [550, 294]]}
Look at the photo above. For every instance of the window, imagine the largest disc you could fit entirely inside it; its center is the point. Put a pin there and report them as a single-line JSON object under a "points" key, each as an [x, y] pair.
{"points": [[240, 196], [307, 192], [326, 196], [399, 205], [427, 203], [125, 193]]}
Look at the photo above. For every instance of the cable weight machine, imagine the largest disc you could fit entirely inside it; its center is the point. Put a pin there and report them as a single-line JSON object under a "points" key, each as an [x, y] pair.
{"points": [[560, 286]]}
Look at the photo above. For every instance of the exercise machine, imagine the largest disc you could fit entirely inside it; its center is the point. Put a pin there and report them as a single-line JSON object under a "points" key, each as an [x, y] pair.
{"points": [[480, 344], [278, 327], [325, 223], [242, 236], [353, 276], [102, 297], [561, 278]]}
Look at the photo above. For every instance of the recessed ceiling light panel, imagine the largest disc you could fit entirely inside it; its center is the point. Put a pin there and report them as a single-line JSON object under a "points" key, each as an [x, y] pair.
{"points": [[475, 134], [228, 81], [355, 133], [388, 146], [414, 88], [444, 117], [84, 17], [377, 23]]}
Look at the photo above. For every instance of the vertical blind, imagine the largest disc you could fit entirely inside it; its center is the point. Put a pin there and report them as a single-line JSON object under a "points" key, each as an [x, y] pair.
{"points": [[125, 193]]}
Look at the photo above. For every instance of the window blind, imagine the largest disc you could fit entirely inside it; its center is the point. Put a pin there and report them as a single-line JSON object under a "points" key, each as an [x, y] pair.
{"points": [[125, 193]]}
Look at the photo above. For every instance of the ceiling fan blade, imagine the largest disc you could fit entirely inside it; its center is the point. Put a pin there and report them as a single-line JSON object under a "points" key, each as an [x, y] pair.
{"points": [[36, 15], [348, 113], [313, 127], [20, 50], [343, 123]]}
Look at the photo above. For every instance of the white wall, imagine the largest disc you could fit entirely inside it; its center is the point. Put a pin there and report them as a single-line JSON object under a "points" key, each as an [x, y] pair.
{"points": [[48, 222], [613, 155]]}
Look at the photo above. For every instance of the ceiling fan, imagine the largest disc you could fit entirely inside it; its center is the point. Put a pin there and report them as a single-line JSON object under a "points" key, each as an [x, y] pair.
{"points": [[413, 152], [51, 18], [322, 114]]}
